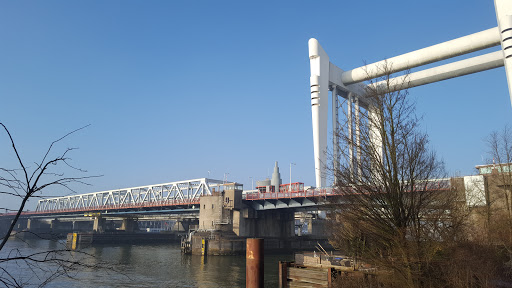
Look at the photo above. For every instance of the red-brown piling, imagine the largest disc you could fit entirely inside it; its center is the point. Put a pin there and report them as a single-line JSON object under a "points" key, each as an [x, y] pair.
{"points": [[254, 266]]}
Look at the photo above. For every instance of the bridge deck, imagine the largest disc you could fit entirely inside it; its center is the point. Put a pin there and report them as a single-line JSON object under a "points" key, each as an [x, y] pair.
{"points": [[156, 200]]}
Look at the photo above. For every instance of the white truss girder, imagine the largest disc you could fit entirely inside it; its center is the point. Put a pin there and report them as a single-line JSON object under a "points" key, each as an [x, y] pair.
{"points": [[181, 191]]}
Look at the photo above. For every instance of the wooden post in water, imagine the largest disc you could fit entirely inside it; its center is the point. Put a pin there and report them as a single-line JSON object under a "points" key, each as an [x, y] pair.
{"points": [[329, 277], [283, 274], [73, 243], [254, 265]]}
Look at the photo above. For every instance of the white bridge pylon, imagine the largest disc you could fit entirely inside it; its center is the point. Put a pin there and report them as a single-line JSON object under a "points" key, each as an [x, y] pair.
{"points": [[325, 77], [173, 192]]}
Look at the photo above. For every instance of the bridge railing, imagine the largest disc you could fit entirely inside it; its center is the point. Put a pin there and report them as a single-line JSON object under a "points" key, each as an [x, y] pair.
{"points": [[430, 185], [318, 192], [163, 203]]}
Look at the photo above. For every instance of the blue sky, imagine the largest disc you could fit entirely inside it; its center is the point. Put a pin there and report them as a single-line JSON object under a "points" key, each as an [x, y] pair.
{"points": [[174, 89]]}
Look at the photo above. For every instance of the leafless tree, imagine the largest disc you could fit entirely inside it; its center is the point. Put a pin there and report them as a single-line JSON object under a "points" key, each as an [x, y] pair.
{"points": [[393, 209], [30, 181], [499, 198]]}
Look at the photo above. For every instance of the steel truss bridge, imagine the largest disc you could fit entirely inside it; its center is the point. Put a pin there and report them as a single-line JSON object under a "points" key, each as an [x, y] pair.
{"points": [[167, 195]]}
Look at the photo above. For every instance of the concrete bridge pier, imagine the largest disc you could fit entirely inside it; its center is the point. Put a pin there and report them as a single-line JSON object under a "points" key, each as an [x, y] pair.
{"points": [[264, 223], [37, 226], [20, 225], [99, 225], [316, 228], [183, 225], [4, 226], [129, 225], [82, 226], [179, 226], [57, 226], [274, 223]]}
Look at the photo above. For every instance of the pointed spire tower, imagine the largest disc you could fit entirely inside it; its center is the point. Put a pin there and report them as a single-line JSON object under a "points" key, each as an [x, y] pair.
{"points": [[276, 178]]}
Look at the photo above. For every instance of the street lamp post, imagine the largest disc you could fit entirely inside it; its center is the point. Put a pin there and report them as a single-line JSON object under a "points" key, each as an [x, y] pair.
{"points": [[290, 188]]}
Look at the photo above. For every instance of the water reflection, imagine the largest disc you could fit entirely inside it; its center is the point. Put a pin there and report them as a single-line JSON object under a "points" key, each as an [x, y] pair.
{"points": [[156, 266], [126, 254]]}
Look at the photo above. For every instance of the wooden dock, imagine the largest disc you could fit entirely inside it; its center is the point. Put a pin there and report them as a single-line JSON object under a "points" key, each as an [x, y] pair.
{"points": [[322, 270]]}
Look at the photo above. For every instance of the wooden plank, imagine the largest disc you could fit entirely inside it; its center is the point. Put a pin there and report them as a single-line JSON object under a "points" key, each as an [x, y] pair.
{"points": [[305, 285], [340, 268], [308, 268], [308, 280], [308, 273]]}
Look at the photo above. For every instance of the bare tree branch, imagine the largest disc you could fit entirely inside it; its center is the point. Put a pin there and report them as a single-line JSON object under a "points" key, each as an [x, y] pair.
{"points": [[26, 187], [390, 210]]}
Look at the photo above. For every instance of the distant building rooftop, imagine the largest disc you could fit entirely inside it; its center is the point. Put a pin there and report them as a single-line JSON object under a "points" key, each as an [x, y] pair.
{"points": [[488, 168]]}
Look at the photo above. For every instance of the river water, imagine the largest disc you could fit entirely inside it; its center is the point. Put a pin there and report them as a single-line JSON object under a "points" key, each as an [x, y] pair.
{"points": [[148, 265]]}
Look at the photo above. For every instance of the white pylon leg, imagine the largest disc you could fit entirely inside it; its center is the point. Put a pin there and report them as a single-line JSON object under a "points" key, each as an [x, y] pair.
{"points": [[375, 126], [504, 17], [319, 63], [335, 131], [350, 136], [358, 141]]}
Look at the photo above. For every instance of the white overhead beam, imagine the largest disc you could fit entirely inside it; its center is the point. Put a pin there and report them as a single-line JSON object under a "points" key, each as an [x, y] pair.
{"points": [[443, 72], [460, 46], [357, 88]]}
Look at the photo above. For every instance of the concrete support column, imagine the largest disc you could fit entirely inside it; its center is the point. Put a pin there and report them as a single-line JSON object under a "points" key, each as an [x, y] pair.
{"points": [[38, 226], [178, 226], [54, 224], [4, 226], [129, 225], [21, 224], [99, 225], [33, 225], [272, 223], [57, 226], [181, 225], [81, 226], [316, 227]]}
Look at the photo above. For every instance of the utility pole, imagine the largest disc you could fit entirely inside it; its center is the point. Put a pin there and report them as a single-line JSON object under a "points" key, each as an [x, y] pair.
{"points": [[290, 188]]}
